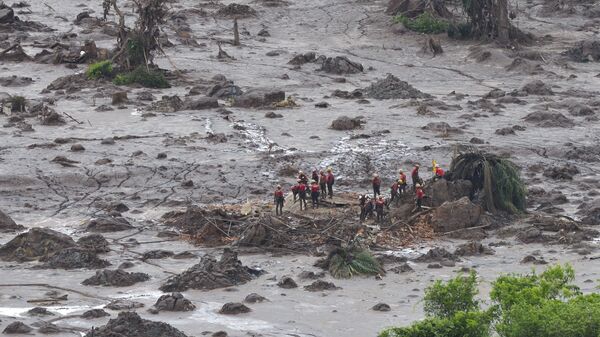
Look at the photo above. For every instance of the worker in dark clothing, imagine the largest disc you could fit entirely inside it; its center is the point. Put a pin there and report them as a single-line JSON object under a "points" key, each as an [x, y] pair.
{"points": [[362, 202], [402, 182], [323, 184], [279, 199], [394, 192], [315, 175], [376, 185], [302, 177], [330, 182], [302, 195], [314, 194], [369, 207], [420, 196], [415, 176], [295, 191], [379, 204]]}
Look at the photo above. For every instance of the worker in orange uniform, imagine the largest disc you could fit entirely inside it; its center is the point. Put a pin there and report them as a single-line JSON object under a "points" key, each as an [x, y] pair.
{"points": [[420, 196], [279, 200]]}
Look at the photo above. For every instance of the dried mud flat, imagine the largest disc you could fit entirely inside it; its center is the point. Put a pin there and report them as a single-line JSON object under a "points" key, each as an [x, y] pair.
{"points": [[114, 170]]}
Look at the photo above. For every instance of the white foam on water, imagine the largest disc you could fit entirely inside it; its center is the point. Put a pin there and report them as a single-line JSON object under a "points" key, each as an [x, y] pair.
{"points": [[61, 310], [207, 312]]}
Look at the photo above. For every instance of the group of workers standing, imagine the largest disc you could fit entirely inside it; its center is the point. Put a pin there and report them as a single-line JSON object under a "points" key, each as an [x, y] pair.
{"points": [[321, 186]]}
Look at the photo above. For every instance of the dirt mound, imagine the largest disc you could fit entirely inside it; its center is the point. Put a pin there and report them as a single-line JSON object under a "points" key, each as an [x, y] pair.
{"points": [[473, 249], [234, 10], [174, 302], [35, 244], [258, 98], [7, 224], [537, 88], [254, 298], [107, 223], [381, 307], [212, 274], [455, 215], [115, 278], [17, 328], [310, 275], [321, 285], [392, 88], [585, 51], [95, 243], [157, 254], [341, 65], [167, 104], [442, 128], [344, 123], [74, 258], [232, 308], [565, 172], [436, 254], [301, 59], [94, 313], [130, 324], [403, 268], [546, 119], [287, 282]]}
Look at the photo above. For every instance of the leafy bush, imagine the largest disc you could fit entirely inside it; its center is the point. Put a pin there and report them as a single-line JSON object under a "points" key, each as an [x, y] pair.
{"points": [[462, 324], [446, 299], [99, 69], [532, 305], [347, 262], [424, 23], [141, 75]]}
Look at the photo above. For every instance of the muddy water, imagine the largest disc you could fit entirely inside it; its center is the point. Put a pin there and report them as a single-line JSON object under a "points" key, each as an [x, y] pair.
{"points": [[36, 192]]}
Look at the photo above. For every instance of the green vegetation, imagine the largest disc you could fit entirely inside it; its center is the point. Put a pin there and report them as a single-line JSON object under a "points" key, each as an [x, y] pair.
{"points": [[148, 78], [348, 262], [425, 23], [102, 69], [498, 177], [533, 305]]}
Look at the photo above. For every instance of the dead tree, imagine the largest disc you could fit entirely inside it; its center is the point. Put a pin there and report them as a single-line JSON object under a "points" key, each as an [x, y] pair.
{"points": [[489, 19], [236, 33], [135, 46]]}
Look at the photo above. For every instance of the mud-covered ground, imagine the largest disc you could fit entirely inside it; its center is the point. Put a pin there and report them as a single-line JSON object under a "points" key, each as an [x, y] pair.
{"points": [[540, 127]]}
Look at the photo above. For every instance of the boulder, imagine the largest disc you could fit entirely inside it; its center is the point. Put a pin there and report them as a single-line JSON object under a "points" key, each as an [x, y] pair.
{"points": [[94, 313], [301, 59], [201, 103], [254, 298], [436, 254], [443, 190], [224, 90], [321, 285], [258, 98], [39, 311], [130, 324], [174, 302], [234, 309], [341, 65], [287, 282], [344, 123], [74, 258], [107, 223], [381, 307], [473, 249], [115, 278], [455, 215], [17, 327], [7, 224], [35, 244]]}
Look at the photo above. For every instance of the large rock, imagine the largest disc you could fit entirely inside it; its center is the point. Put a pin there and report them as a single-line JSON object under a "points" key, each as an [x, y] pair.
{"points": [[346, 123], [130, 324], [201, 103], [212, 274], [7, 224], [225, 90], [454, 215], [473, 248], [443, 190], [17, 327], [232, 308], [35, 244], [174, 302], [74, 258], [108, 224], [258, 98], [341, 65], [115, 278], [95, 243]]}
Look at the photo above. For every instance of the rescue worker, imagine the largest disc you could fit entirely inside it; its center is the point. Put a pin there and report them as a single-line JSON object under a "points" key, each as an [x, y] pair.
{"points": [[369, 207], [379, 208], [279, 199], [314, 194], [330, 182], [394, 192], [302, 194], [415, 176], [302, 177], [315, 175], [420, 195], [439, 173], [376, 185], [323, 184], [295, 190], [402, 182], [362, 202]]}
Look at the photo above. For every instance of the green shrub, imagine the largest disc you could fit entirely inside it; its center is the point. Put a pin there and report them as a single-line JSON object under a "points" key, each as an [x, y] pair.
{"points": [[462, 324], [346, 262], [445, 299], [424, 23], [99, 69], [141, 75]]}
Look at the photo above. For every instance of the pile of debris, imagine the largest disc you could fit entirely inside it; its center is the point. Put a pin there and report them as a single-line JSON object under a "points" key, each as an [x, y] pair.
{"points": [[393, 88], [131, 324]]}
